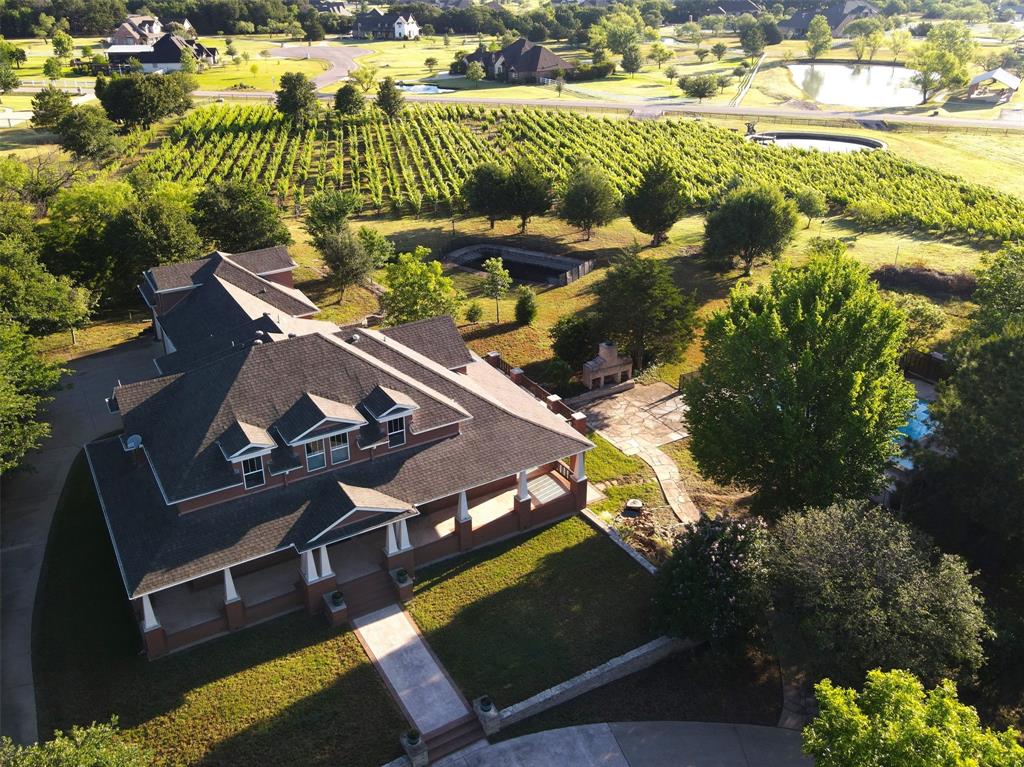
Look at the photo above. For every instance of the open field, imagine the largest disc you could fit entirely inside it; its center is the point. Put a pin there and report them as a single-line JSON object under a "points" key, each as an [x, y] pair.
{"points": [[292, 686], [516, 618]]}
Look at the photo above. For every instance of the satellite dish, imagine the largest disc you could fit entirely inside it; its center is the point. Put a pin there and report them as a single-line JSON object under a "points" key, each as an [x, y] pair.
{"points": [[134, 442]]}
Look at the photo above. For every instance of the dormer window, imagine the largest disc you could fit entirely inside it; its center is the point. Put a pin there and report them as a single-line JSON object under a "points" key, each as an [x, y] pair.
{"points": [[316, 456], [396, 432], [339, 449], [252, 472]]}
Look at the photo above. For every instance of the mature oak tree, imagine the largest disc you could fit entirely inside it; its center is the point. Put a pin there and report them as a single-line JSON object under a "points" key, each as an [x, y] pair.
{"points": [[417, 289], [347, 261], [657, 203], [865, 590], [800, 394], [641, 309], [753, 222], [296, 98], [528, 192], [484, 191], [894, 720], [589, 199], [237, 216]]}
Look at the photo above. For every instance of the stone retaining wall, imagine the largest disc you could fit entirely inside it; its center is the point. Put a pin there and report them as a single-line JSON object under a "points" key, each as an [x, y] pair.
{"points": [[617, 668], [571, 268]]}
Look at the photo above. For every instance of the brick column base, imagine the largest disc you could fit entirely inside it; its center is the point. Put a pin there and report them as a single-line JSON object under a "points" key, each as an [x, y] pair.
{"points": [[234, 611], [403, 559], [579, 493], [156, 642], [522, 509], [465, 531], [315, 591]]}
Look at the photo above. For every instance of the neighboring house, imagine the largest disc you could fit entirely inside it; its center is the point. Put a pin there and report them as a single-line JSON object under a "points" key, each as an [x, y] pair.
{"points": [[386, 26], [734, 8], [1015, 11], [335, 7], [276, 458], [521, 61], [839, 14], [137, 29], [162, 56]]}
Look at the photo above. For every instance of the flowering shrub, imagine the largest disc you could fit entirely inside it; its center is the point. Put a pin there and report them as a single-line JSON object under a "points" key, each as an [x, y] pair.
{"points": [[713, 585]]}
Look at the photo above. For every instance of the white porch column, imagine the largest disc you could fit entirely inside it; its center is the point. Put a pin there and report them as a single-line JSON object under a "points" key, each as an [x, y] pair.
{"points": [[579, 471], [325, 563], [308, 566], [149, 621], [230, 595], [524, 493], [403, 536], [462, 515], [392, 546]]}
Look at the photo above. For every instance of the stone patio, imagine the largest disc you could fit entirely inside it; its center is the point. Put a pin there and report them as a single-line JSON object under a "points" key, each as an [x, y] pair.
{"points": [[637, 421]]}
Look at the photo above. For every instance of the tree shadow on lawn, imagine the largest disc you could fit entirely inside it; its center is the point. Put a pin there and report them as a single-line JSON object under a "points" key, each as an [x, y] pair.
{"points": [[353, 722], [555, 617], [86, 645]]}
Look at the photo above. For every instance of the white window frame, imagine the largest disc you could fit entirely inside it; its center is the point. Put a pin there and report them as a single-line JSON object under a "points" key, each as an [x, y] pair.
{"points": [[310, 453], [246, 473], [401, 430], [343, 439]]}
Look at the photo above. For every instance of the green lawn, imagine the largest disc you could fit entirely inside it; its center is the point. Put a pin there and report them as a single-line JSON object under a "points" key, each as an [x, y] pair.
{"points": [[516, 618], [606, 462], [292, 687], [710, 684]]}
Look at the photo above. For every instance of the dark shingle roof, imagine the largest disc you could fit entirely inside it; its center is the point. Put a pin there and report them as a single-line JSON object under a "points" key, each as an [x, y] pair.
{"points": [[180, 417], [436, 338], [310, 410], [188, 273]]}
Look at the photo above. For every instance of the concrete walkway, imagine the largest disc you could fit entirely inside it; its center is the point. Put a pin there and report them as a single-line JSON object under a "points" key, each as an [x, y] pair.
{"points": [[637, 421], [27, 501], [414, 676], [643, 744]]}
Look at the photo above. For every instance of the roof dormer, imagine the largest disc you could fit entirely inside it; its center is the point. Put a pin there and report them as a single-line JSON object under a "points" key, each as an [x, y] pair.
{"points": [[243, 440], [314, 416], [385, 404]]}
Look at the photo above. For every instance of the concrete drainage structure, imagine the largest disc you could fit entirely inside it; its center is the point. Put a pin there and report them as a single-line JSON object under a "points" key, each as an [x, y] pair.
{"points": [[524, 265]]}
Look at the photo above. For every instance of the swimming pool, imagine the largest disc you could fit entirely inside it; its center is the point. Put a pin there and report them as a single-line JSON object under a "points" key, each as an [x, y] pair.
{"points": [[919, 424]]}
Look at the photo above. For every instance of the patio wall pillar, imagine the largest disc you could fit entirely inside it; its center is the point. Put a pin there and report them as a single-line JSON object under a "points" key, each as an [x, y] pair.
{"points": [[153, 634], [234, 607], [308, 566], [522, 501], [464, 523]]}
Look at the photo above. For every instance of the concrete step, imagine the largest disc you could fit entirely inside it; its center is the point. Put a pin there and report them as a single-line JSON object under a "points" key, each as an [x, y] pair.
{"points": [[454, 737], [369, 593]]}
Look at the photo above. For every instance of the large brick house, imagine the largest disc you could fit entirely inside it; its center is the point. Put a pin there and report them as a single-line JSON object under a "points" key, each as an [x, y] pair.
{"points": [[839, 14], [162, 55], [275, 458], [521, 61]]}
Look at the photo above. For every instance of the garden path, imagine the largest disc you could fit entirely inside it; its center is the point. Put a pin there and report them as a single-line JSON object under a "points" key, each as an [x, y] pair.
{"points": [[415, 677], [638, 421]]}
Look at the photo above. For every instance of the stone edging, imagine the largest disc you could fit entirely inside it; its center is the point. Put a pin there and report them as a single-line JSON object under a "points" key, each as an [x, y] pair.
{"points": [[603, 526], [635, 660]]}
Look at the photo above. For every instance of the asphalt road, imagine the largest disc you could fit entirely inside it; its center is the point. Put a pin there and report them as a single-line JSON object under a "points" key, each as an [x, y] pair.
{"points": [[341, 60]]}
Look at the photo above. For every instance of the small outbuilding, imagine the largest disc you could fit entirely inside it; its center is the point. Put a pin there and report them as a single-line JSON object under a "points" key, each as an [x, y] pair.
{"points": [[996, 82]]}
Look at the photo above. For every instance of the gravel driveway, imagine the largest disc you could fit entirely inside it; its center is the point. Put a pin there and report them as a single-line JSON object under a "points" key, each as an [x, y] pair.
{"points": [[341, 60]]}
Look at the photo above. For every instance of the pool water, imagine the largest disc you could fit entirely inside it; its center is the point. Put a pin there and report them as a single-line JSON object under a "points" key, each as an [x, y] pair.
{"points": [[821, 144], [919, 424], [865, 85]]}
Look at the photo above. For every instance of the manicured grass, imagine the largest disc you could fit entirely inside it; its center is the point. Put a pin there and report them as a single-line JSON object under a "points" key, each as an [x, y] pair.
{"points": [[606, 462], [514, 619], [711, 684], [293, 687], [102, 333]]}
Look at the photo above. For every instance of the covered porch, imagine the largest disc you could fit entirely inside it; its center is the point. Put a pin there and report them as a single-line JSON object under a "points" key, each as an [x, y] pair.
{"points": [[361, 566]]}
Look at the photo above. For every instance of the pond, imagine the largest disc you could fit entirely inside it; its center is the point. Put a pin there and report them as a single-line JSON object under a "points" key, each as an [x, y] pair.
{"points": [[424, 89], [851, 85], [823, 142]]}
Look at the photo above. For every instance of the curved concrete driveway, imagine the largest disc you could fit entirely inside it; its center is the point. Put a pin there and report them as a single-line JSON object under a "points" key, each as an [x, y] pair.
{"points": [[341, 60], [643, 744], [27, 503]]}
